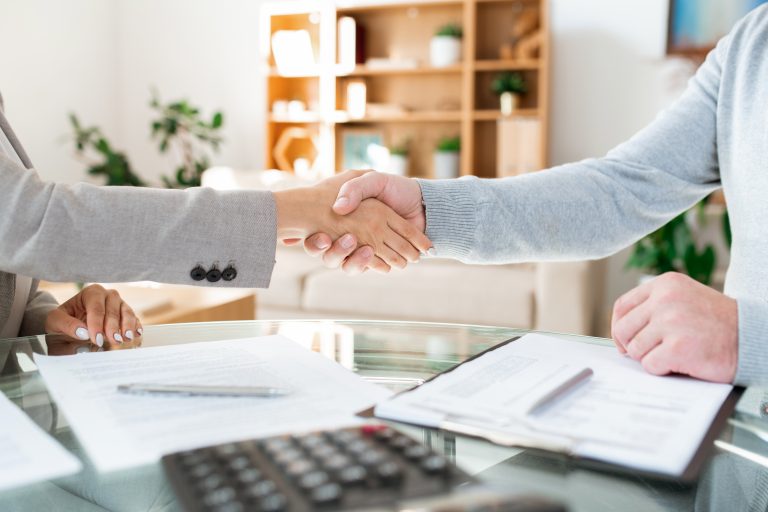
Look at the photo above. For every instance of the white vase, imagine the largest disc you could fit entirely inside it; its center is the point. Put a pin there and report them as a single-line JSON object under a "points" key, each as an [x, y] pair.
{"points": [[509, 102], [446, 165], [398, 164], [444, 51]]}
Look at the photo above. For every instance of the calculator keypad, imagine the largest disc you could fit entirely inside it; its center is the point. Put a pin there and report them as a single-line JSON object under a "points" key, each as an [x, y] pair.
{"points": [[334, 470]]}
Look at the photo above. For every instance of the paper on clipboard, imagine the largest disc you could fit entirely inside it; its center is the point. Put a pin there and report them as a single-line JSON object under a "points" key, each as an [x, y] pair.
{"points": [[621, 415]]}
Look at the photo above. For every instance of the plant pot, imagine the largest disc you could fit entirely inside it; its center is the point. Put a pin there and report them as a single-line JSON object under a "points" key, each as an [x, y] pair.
{"points": [[444, 51], [509, 103], [398, 164], [446, 165]]}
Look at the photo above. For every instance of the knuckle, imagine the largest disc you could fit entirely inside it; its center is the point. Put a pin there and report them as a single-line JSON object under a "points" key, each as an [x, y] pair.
{"points": [[651, 365], [670, 316], [620, 331]]}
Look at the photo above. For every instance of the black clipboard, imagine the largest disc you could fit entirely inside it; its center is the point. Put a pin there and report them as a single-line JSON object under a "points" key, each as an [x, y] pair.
{"points": [[688, 477]]}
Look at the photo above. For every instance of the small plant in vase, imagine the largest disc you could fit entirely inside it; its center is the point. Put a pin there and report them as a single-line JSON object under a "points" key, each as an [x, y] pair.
{"points": [[398, 159], [445, 47], [509, 87], [446, 158]]}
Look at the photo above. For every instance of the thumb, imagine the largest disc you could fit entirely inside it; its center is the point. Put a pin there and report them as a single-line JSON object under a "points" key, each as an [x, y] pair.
{"points": [[354, 191], [59, 321]]}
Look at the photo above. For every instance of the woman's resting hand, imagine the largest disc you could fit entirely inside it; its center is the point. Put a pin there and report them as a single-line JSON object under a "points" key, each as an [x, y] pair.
{"points": [[95, 314]]}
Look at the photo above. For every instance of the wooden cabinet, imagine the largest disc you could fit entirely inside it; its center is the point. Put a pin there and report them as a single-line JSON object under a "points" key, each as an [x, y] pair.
{"points": [[408, 100]]}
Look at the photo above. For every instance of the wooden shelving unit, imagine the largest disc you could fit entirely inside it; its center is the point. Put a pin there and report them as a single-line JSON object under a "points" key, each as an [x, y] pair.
{"points": [[432, 102]]}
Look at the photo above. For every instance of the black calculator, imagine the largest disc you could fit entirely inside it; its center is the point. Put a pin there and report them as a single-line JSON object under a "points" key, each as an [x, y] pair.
{"points": [[367, 467]]}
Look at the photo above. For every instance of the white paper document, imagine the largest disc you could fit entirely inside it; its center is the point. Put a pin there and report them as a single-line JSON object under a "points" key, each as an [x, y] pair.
{"points": [[27, 454], [621, 414], [121, 430]]}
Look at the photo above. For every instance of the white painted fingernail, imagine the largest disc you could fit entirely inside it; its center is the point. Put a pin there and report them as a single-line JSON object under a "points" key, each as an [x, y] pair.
{"points": [[100, 340], [129, 334], [431, 251], [140, 331], [347, 242], [118, 338], [322, 245], [82, 333]]}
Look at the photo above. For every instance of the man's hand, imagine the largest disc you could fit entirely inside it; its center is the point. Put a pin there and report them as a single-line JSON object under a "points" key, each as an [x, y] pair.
{"points": [[401, 194], [674, 324]]}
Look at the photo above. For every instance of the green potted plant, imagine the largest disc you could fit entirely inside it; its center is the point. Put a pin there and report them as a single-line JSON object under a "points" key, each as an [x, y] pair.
{"points": [[398, 159], [672, 248], [509, 86], [179, 125], [446, 158], [445, 47]]}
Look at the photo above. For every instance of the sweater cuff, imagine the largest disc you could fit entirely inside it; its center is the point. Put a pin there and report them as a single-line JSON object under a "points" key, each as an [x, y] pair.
{"points": [[451, 216], [753, 340]]}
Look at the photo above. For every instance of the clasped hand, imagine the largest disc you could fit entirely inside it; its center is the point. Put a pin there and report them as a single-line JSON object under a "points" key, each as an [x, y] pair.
{"points": [[389, 239]]}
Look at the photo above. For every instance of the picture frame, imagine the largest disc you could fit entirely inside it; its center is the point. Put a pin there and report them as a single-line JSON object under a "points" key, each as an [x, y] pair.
{"points": [[361, 148], [695, 26]]}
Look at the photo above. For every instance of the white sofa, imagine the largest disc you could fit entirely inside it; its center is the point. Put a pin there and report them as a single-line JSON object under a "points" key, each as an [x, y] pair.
{"points": [[560, 297]]}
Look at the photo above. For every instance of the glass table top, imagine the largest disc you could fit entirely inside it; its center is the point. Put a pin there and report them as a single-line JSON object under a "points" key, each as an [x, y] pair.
{"points": [[397, 355]]}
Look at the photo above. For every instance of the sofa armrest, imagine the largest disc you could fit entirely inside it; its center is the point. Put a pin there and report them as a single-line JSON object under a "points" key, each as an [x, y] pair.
{"points": [[567, 296]]}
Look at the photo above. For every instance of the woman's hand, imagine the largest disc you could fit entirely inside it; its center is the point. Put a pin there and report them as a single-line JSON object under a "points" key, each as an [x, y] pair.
{"points": [[95, 314]]}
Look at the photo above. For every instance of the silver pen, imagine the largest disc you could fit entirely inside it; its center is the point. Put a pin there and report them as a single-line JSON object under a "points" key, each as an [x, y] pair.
{"points": [[203, 390]]}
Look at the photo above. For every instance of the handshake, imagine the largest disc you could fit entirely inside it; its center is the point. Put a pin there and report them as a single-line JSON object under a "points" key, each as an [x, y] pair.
{"points": [[376, 221]]}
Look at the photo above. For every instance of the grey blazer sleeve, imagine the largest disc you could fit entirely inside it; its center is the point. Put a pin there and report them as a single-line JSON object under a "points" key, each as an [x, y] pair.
{"points": [[39, 305], [89, 233]]}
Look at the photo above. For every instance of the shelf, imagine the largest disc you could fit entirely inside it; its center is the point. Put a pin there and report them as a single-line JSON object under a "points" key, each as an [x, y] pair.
{"points": [[305, 117], [408, 117], [272, 72], [378, 6], [427, 70], [495, 115], [507, 1], [502, 65]]}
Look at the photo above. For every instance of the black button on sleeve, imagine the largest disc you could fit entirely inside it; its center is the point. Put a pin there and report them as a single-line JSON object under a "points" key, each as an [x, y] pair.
{"points": [[213, 275], [198, 273], [229, 273]]}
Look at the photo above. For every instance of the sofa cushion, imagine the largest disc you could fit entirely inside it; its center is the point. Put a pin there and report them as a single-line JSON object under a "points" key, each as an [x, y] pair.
{"points": [[432, 291], [291, 267]]}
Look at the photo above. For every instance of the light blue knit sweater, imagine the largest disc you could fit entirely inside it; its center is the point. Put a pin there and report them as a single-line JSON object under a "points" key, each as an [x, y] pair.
{"points": [[715, 135]]}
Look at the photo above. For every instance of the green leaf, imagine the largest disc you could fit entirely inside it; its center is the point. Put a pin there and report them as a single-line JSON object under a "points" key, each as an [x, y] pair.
{"points": [[218, 120], [727, 229]]}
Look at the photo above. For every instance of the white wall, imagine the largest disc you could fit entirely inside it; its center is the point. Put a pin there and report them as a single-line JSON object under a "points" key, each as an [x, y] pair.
{"points": [[609, 79], [202, 50], [57, 57]]}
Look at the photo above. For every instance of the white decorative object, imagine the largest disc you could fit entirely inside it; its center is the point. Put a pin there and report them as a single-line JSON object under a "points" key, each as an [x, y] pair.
{"points": [[296, 107], [509, 103], [356, 99], [280, 107], [293, 52], [346, 48], [446, 164], [398, 164], [444, 51]]}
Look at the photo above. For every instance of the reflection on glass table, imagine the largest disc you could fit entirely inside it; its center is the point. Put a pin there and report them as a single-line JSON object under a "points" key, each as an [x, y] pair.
{"points": [[398, 356]]}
